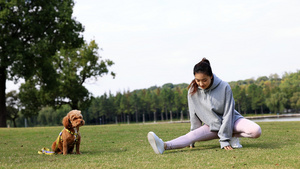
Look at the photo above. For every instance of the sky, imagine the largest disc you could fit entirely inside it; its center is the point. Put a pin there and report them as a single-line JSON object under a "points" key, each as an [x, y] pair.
{"points": [[154, 42]]}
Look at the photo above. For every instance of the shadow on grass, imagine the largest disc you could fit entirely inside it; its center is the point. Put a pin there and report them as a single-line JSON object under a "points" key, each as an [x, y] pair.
{"points": [[259, 145], [196, 148]]}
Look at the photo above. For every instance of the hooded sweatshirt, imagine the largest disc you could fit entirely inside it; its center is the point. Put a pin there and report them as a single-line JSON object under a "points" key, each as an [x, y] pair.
{"points": [[214, 107]]}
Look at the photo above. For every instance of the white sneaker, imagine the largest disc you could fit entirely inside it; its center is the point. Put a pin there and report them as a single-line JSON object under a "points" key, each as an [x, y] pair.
{"points": [[235, 142], [156, 143]]}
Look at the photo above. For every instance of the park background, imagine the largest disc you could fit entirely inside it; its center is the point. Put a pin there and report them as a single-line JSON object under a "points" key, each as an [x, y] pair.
{"points": [[150, 49], [115, 59]]}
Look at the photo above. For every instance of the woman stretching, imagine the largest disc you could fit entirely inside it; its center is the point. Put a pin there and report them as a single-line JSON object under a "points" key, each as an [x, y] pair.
{"points": [[210, 102]]}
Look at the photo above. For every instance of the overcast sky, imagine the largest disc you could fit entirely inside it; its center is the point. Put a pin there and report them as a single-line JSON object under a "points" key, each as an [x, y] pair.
{"points": [[154, 42]]}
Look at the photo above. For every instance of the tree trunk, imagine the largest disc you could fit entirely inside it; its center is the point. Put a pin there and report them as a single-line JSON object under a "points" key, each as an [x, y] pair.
{"points": [[124, 117], [143, 117], [74, 104], [181, 116], [166, 113], [136, 116], [2, 97], [14, 121]]}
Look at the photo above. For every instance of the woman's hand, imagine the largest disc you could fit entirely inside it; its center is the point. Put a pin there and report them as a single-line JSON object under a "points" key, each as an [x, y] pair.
{"points": [[228, 148]]}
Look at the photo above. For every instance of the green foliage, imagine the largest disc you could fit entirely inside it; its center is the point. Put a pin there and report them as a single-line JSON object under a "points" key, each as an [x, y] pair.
{"points": [[73, 67], [13, 105], [274, 102], [267, 94], [50, 117], [126, 146], [30, 98], [150, 104], [31, 32], [295, 100]]}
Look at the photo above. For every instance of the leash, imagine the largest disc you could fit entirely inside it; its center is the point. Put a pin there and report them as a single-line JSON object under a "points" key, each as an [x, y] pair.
{"points": [[46, 151]]}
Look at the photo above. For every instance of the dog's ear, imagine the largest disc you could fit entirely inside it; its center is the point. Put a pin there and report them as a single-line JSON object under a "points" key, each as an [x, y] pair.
{"points": [[66, 122]]}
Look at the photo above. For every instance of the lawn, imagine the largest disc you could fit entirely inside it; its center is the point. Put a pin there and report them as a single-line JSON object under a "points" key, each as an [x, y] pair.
{"points": [[126, 146]]}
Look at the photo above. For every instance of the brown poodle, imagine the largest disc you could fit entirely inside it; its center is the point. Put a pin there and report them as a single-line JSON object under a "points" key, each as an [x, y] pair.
{"points": [[70, 135]]}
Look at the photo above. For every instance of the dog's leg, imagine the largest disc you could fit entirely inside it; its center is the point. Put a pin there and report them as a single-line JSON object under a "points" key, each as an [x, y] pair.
{"points": [[77, 147], [65, 147], [70, 150], [53, 146]]}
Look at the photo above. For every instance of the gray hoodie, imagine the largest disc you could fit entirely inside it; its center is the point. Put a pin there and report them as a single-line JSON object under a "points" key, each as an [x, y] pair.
{"points": [[215, 107]]}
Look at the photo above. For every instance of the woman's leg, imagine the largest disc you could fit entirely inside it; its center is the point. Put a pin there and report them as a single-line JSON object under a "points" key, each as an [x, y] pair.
{"points": [[246, 128], [202, 133]]}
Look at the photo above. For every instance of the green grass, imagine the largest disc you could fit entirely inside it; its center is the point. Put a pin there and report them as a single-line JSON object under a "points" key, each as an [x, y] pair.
{"points": [[126, 146]]}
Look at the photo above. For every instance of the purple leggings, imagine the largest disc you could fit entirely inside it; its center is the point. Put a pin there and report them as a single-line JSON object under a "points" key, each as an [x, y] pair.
{"points": [[242, 128]]}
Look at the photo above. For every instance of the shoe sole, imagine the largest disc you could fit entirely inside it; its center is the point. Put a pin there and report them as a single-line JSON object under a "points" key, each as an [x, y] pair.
{"points": [[237, 146], [152, 142]]}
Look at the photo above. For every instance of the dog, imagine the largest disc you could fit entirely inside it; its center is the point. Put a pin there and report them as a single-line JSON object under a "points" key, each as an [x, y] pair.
{"points": [[69, 136]]}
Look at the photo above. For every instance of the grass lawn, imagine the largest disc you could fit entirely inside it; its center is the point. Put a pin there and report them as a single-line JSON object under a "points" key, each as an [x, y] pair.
{"points": [[126, 146]]}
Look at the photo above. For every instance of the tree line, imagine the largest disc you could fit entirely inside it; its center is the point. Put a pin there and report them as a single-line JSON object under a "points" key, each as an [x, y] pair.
{"points": [[273, 94], [42, 43]]}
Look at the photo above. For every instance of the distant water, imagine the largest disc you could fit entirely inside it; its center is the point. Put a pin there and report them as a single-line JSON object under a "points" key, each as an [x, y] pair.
{"points": [[277, 119]]}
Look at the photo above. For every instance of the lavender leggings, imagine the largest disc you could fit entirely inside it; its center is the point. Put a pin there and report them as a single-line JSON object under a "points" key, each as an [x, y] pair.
{"points": [[242, 128]]}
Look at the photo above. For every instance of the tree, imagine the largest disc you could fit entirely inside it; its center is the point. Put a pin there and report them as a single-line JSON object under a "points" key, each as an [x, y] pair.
{"points": [[31, 32], [13, 106], [155, 103], [74, 67], [167, 98], [30, 98], [145, 104], [276, 101], [135, 102], [46, 115], [295, 101], [104, 107], [185, 100], [290, 85], [237, 94], [179, 103], [256, 95], [125, 103], [245, 103], [93, 111]]}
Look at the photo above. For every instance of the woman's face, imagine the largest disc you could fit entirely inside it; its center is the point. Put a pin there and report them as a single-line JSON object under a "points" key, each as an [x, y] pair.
{"points": [[203, 80]]}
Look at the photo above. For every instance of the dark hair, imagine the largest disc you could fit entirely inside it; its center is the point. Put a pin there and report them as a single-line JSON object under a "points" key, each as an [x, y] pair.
{"points": [[202, 67]]}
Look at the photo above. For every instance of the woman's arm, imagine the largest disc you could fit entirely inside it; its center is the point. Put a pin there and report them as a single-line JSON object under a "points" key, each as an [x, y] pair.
{"points": [[226, 129], [195, 121]]}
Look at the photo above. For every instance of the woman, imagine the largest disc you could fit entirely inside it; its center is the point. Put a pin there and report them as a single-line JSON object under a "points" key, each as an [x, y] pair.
{"points": [[210, 102]]}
